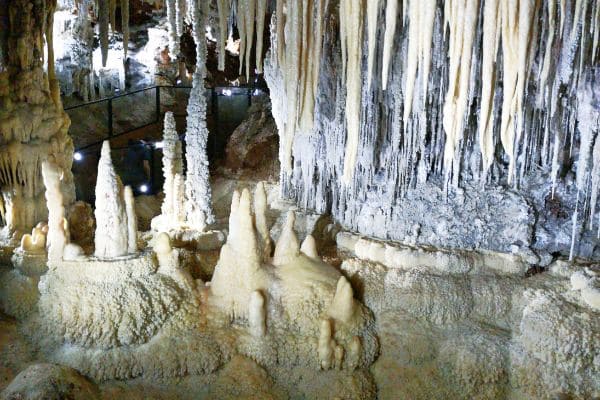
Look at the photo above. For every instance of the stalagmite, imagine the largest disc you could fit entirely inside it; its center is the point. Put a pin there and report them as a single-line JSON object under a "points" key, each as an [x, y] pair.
{"points": [[34, 242], [326, 345], [343, 306], [199, 212], [132, 246], [339, 357], [224, 11], [57, 237], [287, 247], [125, 26], [111, 238], [260, 219], [103, 16], [391, 16], [354, 352], [173, 206], [352, 37], [256, 314], [309, 247]]}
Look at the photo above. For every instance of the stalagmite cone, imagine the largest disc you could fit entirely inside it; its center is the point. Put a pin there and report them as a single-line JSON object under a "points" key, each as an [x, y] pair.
{"points": [[343, 305], [287, 247], [256, 314], [260, 220], [309, 247], [162, 244]]}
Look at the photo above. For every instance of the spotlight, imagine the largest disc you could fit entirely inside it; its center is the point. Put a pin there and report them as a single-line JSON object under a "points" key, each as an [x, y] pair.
{"points": [[227, 92], [78, 156], [159, 145], [144, 188], [256, 92]]}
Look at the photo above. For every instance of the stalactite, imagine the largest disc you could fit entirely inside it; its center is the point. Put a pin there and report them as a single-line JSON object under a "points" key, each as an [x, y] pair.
{"points": [[224, 11], [261, 10], [250, 15], [488, 69], [241, 25], [391, 15], [419, 52], [180, 16], [125, 26], [172, 24], [113, 15], [462, 21], [372, 11], [352, 36], [103, 16]]}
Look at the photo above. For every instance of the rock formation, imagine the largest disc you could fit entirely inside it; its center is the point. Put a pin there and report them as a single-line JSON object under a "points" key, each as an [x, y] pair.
{"points": [[199, 212], [172, 210], [111, 238], [33, 125]]}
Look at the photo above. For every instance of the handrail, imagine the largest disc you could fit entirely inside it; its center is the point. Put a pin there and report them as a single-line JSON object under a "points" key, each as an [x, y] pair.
{"points": [[154, 87], [110, 134]]}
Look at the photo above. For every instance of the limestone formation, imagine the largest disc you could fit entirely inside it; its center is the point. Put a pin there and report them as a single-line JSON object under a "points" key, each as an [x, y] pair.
{"points": [[111, 238], [33, 125], [57, 230]]}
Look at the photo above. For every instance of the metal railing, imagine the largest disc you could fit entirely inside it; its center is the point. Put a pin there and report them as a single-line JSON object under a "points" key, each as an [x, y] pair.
{"points": [[100, 120], [157, 113]]}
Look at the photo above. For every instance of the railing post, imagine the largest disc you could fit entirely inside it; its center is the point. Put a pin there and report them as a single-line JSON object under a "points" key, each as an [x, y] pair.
{"points": [[215, 113], [157, 104], [110, 118]]}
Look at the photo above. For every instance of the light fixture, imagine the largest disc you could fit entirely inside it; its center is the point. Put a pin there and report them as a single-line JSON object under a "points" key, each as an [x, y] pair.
{"points": [[77, 156], [256, 92], [144, 188], [227, 92], [159, 145]]}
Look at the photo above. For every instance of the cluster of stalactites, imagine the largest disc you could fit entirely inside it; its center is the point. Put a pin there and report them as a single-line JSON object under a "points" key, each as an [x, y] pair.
{"points": [[250, 16], [480, 82], [294, 65], [107, 11], [116, 224]]}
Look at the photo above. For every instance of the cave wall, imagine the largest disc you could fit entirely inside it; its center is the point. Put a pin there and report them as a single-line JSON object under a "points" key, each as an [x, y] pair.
{"points": [[486, 189], [33, 125]]}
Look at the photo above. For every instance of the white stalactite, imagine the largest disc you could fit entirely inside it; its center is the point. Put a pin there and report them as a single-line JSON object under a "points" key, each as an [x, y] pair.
{"points": [[372, 11], [391, 16], [103, 17], [353, 15], [491, 24], [125, 26], [250, 16], [223, 7], [462, 21], [111, 238], [261, 10]]}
